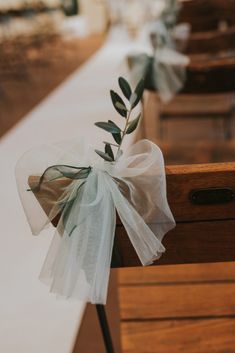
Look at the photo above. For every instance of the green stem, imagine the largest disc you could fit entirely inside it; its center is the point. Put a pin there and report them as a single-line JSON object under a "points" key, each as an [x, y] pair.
{"points": [[110, 143], [124, 132]]}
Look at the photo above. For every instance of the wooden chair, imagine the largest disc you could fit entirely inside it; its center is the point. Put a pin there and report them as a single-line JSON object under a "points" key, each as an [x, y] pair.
{"points": [[202, 199]]}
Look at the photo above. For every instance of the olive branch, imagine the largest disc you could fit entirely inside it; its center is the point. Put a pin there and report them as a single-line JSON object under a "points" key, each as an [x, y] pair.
{"points": [[59, 171], [119, 134]]}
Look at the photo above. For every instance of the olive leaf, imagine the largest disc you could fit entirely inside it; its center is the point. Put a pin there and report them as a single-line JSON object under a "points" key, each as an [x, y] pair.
{"points": [[137, 94], [133, 124], [108, 126], [109, 151], [117, 138], [104, 155], [125, 87], [118, 104], [111, 122]]}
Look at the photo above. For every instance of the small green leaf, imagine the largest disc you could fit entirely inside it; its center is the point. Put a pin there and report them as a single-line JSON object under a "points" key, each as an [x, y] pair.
{"points": [[137, 95], [107, 126], [133, 125], [125, 87], [109, 151], [104, 155], [111, 122], [117, 138], [120, 106], [133, 99], [117, 99]]}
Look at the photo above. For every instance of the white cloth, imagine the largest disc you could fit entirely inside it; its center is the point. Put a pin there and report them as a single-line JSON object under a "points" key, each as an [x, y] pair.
{"points": [[79, 259]]}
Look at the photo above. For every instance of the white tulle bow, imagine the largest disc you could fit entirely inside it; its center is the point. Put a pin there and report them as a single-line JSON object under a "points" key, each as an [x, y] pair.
{"points": [[79, 258], [165, 71]]}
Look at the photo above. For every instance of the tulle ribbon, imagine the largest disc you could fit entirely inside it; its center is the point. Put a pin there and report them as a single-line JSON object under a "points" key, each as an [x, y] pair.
{"points": [[165, 72], [85, 193]]}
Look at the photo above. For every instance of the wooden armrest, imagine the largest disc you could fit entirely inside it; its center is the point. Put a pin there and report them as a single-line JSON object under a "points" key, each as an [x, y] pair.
{"points": [[204, 232]]}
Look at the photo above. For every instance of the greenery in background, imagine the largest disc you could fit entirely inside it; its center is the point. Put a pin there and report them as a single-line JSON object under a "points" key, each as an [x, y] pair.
{"points": [[130, 124]]}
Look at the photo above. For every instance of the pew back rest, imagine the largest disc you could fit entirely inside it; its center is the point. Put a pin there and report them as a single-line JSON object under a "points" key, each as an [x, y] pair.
{"points": [[205, 15]]}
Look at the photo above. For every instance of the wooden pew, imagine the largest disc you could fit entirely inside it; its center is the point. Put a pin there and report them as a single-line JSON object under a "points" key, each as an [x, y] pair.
{"points": [[205, 15], [201, 14], [211, 41], [203, 71], [208, 92], [225, 10], [202, 198], [213, 73], [204, 217]]}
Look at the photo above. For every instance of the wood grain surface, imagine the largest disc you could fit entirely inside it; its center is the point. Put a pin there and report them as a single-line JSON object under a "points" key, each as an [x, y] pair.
{"points": [[211, 41], [177, 300], [195, 273], [184, 336]]}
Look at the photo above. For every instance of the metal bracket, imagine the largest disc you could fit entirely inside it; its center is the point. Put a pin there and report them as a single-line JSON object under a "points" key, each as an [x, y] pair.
{"points": [[103, 321], [212, 196], [105, 328]]}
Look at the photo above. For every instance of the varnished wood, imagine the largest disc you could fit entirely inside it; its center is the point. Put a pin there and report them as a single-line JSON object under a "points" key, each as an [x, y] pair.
{"points": [[179, 336], [203, 233], [224, 10], [203, 71], [214, 151], [211, 41], [216, 105], [200, 96], [188, 243], [207, 14], [213, 300], [201, 14], [171, 274], [181, 180], [206, 69]]}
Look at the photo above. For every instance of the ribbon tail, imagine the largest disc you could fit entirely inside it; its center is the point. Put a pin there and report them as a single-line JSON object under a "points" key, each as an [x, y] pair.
{"points": [[139, 67], [147, 245], [168, 79], [79, 267]]}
